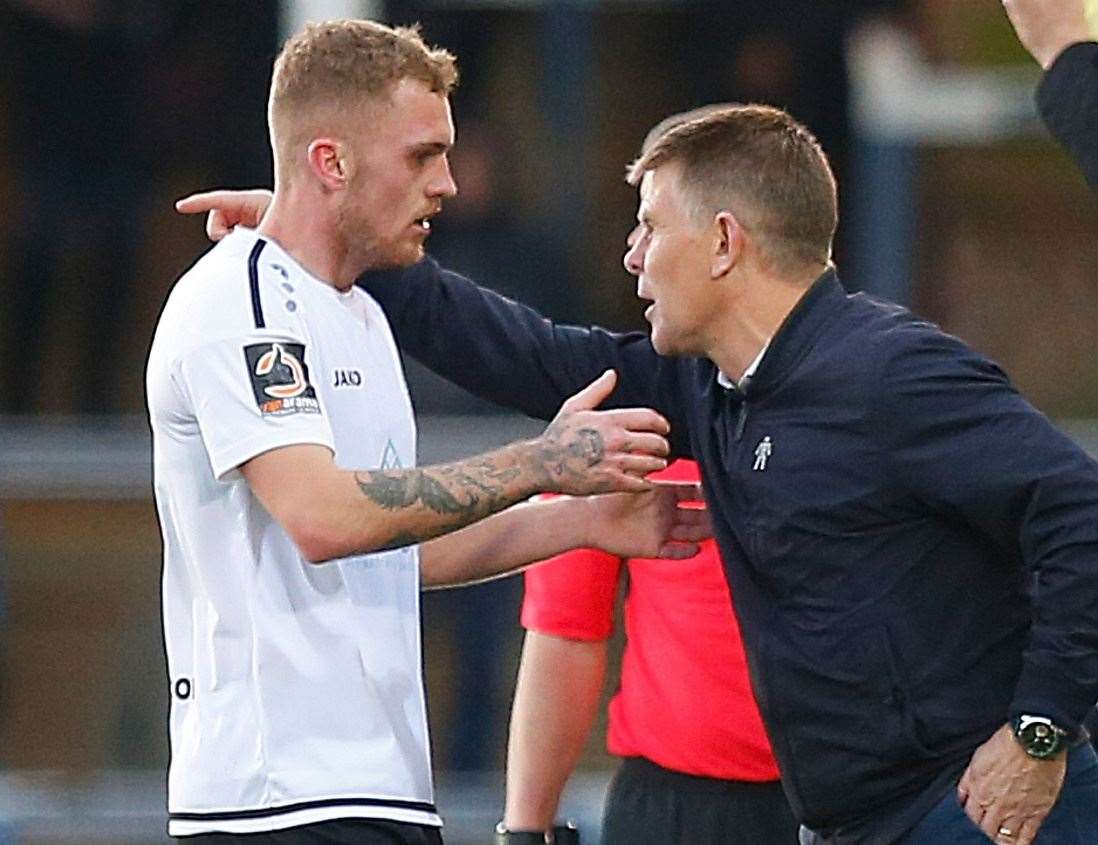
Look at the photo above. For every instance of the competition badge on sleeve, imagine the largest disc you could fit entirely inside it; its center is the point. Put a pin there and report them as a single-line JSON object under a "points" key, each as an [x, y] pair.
{"points": [[280, 379]]}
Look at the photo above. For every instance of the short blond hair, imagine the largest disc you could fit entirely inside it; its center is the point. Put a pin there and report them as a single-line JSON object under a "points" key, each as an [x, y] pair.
{"points": [[677, 119], [761, 164], [338, 64]]}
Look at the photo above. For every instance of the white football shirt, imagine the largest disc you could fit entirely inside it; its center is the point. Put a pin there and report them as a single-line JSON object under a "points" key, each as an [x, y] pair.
{"points": [[296, 689]]}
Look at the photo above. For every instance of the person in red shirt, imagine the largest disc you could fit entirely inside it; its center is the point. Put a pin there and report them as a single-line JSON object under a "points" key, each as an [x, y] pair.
{"points": [[697, 766]]}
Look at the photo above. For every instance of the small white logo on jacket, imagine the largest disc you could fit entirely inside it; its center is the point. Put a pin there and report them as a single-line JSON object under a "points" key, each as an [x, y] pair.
{"points": [[762, 453]]}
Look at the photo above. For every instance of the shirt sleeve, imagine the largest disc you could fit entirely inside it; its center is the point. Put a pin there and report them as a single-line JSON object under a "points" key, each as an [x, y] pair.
{"points": [[1067, 99], [572, 595], [976, 452], [508, 353], [250, 395]]}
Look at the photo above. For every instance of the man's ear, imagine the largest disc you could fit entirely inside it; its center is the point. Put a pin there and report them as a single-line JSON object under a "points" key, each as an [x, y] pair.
{"points": [[328, 161], [728, 244]]}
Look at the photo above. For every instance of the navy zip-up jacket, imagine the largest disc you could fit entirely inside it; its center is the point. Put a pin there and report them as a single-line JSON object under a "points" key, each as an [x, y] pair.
{"points": [[915, 562]]}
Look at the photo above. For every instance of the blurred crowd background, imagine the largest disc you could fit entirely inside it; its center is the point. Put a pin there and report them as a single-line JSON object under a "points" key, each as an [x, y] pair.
{"points": [[953, 201]]}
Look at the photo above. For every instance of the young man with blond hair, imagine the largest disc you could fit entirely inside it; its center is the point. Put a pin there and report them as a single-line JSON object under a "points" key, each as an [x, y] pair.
{"points": [[283, 438]]}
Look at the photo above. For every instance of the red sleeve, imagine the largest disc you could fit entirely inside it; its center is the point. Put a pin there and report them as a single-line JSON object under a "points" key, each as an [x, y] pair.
{"points": [[572, 595]]}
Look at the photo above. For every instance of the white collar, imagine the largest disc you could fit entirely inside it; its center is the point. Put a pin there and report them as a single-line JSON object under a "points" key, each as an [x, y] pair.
{"points": [[725, 382]]}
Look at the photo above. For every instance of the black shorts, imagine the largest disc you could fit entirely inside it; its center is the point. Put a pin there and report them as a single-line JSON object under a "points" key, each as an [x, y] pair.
{"points": [[338, 832], [650, 805]]}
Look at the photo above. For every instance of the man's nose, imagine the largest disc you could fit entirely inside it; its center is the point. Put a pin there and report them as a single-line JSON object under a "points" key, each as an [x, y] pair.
{"points": [[443, 185], [634, 257]]}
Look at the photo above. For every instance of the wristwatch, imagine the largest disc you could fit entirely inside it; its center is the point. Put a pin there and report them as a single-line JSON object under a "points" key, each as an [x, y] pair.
{"points": [[1039, 736], [561, 834]]}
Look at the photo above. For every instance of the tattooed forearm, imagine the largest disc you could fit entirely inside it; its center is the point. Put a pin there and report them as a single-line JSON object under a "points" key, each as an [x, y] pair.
{"points": [[439, 499], [461, 493], [429, 501], [394, 490]]}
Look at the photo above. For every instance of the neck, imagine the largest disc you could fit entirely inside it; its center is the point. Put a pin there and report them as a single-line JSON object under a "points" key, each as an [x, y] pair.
{"points": [[750, 322], [305, 228]]}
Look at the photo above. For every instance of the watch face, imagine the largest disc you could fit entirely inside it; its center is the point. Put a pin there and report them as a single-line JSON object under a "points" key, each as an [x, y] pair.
{"points": [[1040, 738]]}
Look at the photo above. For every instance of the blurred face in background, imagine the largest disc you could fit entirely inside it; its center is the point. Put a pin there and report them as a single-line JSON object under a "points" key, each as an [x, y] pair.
{"points": [[399, 176], [669, 254]]}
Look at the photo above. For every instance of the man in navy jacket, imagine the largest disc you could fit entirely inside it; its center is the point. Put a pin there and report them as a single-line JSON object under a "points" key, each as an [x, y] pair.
{"points": [[913, 548]]}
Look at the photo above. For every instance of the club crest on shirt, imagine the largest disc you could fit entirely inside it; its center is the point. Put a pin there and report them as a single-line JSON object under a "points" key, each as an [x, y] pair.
{"points": [[280, 378]]}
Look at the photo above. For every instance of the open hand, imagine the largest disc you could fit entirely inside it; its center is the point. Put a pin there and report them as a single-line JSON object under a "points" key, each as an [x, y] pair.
{"points": [[227, 209], [665, 521], [584, 451], [1008, 793]]}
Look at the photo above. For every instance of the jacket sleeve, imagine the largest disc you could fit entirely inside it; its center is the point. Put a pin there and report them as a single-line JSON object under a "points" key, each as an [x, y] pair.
{"points": [[508, 353], [1068, 101], [970, 448]]}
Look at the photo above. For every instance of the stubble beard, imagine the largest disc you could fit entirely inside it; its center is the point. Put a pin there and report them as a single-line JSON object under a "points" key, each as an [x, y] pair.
{"points": [[372, 252]]}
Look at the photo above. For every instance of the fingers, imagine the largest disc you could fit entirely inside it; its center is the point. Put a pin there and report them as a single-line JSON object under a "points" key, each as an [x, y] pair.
{"points": [[1027, 831], [992, 825], [638, 419], [645, 441], [591, 396], [217, 225], [227, 209], [684, 491], [969, 803], [691, 526], [204, 201], [621, 482], [641, 464]]}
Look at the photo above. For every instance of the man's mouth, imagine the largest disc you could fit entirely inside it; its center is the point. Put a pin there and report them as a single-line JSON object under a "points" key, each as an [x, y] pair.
{"points": [[424, 223]]}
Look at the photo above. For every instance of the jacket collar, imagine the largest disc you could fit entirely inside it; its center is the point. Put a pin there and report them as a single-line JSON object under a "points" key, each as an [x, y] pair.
{"points": [[798, 333]]}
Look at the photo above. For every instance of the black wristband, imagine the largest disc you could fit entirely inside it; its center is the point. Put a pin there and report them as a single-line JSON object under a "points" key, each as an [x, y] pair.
{"points": [[562, 834]]}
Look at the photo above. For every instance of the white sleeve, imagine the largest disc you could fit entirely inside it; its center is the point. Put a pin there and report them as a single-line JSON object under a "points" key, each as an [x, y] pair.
{"points": [[249, 395]]}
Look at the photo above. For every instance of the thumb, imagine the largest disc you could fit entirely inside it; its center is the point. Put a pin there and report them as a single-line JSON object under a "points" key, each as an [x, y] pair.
{"points": [[593, 395]]}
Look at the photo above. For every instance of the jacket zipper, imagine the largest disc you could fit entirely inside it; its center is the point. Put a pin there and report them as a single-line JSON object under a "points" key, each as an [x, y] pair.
{"points": [[741, 420]]}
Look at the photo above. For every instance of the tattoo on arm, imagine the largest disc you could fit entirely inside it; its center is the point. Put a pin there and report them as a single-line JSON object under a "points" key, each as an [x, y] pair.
{"points": [[571, 454], [588, 446], [466, 492]]}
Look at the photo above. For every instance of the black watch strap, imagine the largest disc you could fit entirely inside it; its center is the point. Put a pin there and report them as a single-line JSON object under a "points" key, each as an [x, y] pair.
{"points": [[561, 834]]}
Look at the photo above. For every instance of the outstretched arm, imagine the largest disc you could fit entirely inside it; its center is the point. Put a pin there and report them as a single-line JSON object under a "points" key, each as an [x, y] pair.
{"points": [[332, 512], [510, 354], [654, 523], [497, 349], [1058, 35]]}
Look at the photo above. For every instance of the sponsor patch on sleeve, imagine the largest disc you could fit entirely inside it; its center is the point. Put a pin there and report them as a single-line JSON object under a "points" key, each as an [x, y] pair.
{"points": [[280, 379]]}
